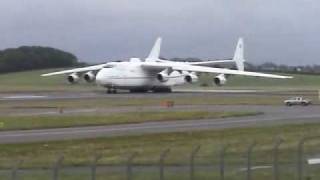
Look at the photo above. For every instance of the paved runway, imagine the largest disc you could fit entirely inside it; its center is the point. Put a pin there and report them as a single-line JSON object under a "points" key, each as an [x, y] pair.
{"points": [[125, 94], [272, 115]]}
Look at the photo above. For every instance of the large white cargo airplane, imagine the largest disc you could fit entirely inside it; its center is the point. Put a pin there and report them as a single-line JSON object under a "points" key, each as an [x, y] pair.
{"points": [[155, 74]]}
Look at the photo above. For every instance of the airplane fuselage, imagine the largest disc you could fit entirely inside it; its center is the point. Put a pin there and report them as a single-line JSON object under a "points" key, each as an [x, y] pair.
{"points": [[131, 75]]}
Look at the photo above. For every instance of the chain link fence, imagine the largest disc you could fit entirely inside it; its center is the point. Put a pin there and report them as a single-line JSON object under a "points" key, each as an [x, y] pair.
{"points": [[255, 163]]}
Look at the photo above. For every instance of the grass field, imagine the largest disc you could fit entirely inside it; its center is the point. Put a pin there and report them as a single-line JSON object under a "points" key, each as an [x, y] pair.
{"points": [[31, 81], [299, 82], [116, 150], [40, 122], [139, 103]]}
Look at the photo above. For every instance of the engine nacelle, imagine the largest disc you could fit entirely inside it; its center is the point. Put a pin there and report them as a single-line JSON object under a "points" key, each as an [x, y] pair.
{"points": [[220, 80], [162, 77], [73, 78], [89, 77], [191, 78]]}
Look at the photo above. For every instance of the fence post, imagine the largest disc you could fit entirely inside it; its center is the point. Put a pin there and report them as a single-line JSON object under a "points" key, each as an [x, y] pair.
{"points": [[222, 161], [56, 167], [15, 169], [96, 158], [300, 158], [301, 155], [192, 157], [275, 158], [129, 165], [249, 154], [163, 155]]}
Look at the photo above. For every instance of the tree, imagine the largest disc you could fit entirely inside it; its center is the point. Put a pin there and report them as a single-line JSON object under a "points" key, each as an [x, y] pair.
{"points": [[34, 57]]}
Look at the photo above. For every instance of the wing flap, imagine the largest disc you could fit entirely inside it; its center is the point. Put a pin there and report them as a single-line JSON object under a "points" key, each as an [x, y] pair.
{"points": [[211, 62], [227, 71]]}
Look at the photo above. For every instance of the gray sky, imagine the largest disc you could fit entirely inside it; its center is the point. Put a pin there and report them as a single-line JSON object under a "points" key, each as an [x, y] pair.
{"points": [[281, 31]]}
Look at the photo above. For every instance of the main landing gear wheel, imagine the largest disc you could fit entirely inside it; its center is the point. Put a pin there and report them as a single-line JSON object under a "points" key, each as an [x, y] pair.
{"points": [[138, 90], [112, 91], [162, 90]]}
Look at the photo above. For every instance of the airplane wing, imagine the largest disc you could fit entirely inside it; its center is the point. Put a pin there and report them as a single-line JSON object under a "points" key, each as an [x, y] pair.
{"points": [[78, 70], [211, 62], [191, 68]]}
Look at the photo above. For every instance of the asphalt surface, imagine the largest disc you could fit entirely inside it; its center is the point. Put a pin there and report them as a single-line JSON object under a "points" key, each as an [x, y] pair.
{"points": [[124, 94], [272, 115]]}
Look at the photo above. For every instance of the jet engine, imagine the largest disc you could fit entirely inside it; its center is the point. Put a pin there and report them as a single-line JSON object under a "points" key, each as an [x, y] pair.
{"points": [[73, 78], [191, 78], [220, 80], [89, 77], [162, 77]]}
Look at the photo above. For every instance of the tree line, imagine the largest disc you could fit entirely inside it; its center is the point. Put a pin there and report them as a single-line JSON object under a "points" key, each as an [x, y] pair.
{"points": [[37, 57], [34, 57], [272, 67]]}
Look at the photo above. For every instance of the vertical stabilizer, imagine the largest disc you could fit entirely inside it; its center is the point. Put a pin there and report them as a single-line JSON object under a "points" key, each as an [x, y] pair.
{"points": [[238, 55], [155, 51]]}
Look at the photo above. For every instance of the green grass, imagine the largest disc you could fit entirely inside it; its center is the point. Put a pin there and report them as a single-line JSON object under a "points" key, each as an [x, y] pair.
{"points": [[40, 122], [149, 100], [299, 82], [31, 81], [115, 150]]}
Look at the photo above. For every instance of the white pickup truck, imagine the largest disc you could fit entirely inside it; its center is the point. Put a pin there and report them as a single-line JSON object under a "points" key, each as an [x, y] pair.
{"points": [[297, 101]]}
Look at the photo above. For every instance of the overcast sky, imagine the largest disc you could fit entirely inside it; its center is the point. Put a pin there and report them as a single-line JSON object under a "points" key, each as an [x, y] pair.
{"points": [[281, 31]]}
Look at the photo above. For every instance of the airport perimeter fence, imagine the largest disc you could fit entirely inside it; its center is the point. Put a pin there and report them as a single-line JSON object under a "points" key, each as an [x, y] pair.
{"points": [[255, 163]]}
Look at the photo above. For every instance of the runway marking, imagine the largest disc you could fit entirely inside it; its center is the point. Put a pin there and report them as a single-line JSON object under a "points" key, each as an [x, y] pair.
{"points": [[57, 112], [24, 97], [314, 161], [217, 91], [256, 168]]}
